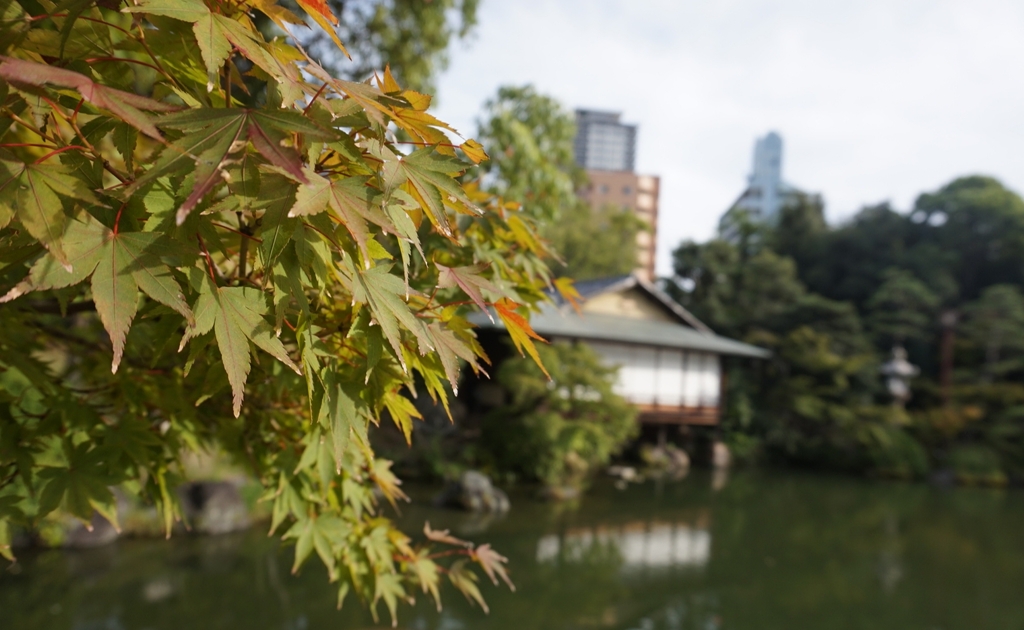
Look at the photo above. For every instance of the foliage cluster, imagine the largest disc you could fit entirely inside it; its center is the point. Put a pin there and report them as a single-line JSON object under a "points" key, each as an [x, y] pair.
{"points": [[558, 430], [832, 302], [207, 241], [529, 137]]}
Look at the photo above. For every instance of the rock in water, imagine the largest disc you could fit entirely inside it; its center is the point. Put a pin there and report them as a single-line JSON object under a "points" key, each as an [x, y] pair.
{"points": [[213, 507], [473, 491]]}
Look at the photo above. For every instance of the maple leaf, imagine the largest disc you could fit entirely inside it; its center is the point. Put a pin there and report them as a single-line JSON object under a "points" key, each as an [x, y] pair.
{"points": [[427, 575], [81, 487], [120, 265], [431, 182], [321, 13], [35, 190], [469, 280], [236, 315], [214, 136], [474, 151], [126, 265], [381, 292], [402, 412], [83, 244], [442, 536], [493, 564], [124, 105], [388, 586], [213, 46], [387, 482], [449, 350], [569, 293], [319, 533], [280, 15], [184, 10], [349, 198], [463, 578], [519, 330]]}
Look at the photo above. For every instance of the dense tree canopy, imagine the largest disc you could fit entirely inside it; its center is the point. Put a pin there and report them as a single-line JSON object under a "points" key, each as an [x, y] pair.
{"points": [[209, 242], [413, 37], [831, 302]]}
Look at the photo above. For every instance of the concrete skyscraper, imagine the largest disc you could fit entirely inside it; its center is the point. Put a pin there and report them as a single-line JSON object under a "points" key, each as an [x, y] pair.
{"points": [[606, 148], [766, 192]]}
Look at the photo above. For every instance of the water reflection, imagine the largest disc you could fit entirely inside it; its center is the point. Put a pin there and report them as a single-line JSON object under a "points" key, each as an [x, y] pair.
{"points": [[761, 552], [639, 544]]}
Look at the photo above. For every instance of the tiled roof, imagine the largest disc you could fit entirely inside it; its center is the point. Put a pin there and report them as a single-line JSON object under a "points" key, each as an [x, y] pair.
{"points": [[560, 320]]}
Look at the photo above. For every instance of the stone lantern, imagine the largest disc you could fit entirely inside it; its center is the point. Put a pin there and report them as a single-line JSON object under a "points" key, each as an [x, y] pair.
{"points": [[898, 372]]}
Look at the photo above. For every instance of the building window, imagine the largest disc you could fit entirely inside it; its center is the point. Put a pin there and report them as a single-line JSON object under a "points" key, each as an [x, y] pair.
{"points": [[604, 189], [626, 190]]}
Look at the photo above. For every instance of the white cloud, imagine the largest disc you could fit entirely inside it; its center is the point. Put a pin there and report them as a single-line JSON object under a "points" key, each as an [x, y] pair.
{"points": [[875, 99]]}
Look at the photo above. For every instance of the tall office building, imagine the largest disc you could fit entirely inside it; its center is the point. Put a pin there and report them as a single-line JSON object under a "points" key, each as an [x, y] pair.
{"points": [[766, 192], [606, 148], [603, 143]]}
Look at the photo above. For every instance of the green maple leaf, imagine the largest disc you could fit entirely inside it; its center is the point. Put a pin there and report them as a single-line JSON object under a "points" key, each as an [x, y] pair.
{"points": [[339, 415], [381, 292], [463, 578], [449, 350], [431, 179], [120, 265], [185, 10], [402, 412], [36, 190], [81, 487], [126, 265], [350, 200], [321, 533], [236, 315], [214, 138], [427, 575], [388, 586]]}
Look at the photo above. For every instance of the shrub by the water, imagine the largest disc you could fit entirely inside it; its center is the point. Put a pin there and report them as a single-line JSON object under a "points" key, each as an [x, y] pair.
{"points": [[558, 431]]}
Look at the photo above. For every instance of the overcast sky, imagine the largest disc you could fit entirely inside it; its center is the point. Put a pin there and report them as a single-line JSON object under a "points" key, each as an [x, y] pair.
{"points": [[875, 99]]}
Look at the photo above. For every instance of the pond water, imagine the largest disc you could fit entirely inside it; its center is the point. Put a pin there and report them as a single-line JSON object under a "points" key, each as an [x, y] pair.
{"points": [[754, 551]]}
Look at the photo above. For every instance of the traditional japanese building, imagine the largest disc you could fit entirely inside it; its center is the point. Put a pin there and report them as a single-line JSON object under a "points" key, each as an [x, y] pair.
{"points": [[670, 363]]}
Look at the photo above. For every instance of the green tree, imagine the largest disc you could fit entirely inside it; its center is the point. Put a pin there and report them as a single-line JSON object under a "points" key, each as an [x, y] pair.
{"points": [[595, 242], [981, 223], [529, 137], [902, 308], [192, 259], [411, 36], [732, 290], [995, 322], [558, 430]]}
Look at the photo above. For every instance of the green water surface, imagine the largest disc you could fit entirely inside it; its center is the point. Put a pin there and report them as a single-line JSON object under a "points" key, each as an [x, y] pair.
{"points": [[755, 551]]}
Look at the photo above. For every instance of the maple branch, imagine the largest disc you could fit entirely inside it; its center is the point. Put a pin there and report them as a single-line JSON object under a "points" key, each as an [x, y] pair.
{"points": [[243, 247], [240, 233], [315, 96], [60, 150], [117, 220], [206, 254], [81, 17], [73, 121], [26, 144], [141, 63], [156, 60], [31, 127]]}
